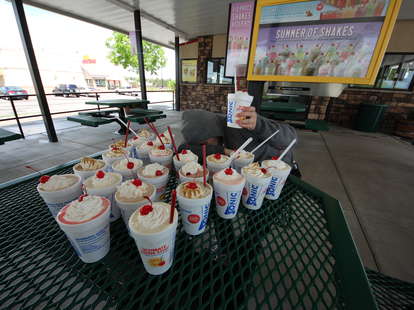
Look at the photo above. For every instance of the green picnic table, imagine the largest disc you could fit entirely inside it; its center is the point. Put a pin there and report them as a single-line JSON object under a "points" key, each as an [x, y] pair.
{"points": [[294, 253], [121, 104]]}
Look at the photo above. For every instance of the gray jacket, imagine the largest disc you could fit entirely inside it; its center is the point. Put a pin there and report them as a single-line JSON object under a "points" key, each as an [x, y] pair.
{"points": [[200, 125]]}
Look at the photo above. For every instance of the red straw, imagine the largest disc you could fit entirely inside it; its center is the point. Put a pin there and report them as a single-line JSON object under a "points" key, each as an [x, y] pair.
{"points": [[152, 127], [173, 200], [204, 164], [173, 142], [126, 134]]}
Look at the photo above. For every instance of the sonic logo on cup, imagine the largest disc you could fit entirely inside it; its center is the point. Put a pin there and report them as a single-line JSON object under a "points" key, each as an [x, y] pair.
{"points": [[230, 112], [251, 200], [205, 216], [272, 186], [156, 251], [193, 218], [231, 207]]}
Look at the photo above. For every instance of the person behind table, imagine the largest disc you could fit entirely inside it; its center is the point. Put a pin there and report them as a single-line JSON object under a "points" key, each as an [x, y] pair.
{"points": [[204, 127]]}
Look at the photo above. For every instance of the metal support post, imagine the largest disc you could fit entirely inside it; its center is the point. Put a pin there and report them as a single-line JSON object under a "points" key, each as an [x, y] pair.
{"points": [[16, 116], [140, 53], [177, 74], [33, 68], [255, 89]]}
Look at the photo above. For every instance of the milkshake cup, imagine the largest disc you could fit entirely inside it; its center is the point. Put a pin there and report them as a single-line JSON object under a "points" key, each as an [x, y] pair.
{"points": [[127, 167], [88, 167], [186, 156], [228, 186], [114, 154], [280, 172], [156, 175], [142, 152], [104, 184], [192, 172], [131, 195], [120, 144], [243, 159], [194, 199], [234, 101], [147, 134], [86, 224], [136, 142], [58, 190], [154, 236], [161, 155], [257, 182], [217, 162]]}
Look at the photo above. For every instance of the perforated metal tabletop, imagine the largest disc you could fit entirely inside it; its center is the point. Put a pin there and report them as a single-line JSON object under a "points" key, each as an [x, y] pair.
{"points": [[293, 253]]}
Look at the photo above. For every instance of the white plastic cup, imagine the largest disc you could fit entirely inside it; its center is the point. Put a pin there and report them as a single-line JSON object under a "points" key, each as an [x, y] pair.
{"points": [[91, 239], [277, 182], [254, 191], [84, 174], [184, 178], [109, 193], [239, 163], [160, 183], [127, 208], [234, 101], [143, 155], [56, 200], [194, 212], [156, 248], [179, 163], [166, 161], [227, 198], [110, 160], [127, 174], [215, 167]]}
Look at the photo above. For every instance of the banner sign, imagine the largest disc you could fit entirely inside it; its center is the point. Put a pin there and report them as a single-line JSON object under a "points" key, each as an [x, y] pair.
{"points": [[238, 38], [334, 41], [189, 70]]}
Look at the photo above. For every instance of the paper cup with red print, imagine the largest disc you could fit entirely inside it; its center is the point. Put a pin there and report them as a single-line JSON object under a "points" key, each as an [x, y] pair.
{"points": [[194, 212], [160, 183], [227, 198]]}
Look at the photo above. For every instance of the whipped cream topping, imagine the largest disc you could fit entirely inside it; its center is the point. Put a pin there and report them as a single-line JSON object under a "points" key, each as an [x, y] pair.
{"points": [[108, 179], [193, 190], [58, 182], [115, 153], [277, 164], [154, 221], [120, 144], [89, 164], [122, 164], [187, 156], [128, 190], [166, 137], [191, 167], [224, 176], [255, 170], [145, 147], [244, 155], [79, 211], [145, 133], [161, 152], [151, 169], [137, 141], [216, 159]]}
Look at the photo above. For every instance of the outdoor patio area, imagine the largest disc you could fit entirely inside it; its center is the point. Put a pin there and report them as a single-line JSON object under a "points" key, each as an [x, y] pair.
{"points": [[370, 174]]}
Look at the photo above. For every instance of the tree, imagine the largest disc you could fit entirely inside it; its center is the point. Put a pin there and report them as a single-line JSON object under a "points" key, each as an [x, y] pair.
{"points": [[120, 54]]}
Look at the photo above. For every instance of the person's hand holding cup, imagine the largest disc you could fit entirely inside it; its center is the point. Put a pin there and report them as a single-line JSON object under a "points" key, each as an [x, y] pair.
{"points": [[247, 117]]}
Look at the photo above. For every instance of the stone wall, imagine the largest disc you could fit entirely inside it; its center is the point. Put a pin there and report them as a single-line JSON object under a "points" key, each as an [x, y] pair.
{"points": [[206, 96]]}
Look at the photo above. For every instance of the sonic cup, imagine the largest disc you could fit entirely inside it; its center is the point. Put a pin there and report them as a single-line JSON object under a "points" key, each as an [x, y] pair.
{"points": [[257, 182], [234, 101], [280, 172], [156, 175], [228, 186]]}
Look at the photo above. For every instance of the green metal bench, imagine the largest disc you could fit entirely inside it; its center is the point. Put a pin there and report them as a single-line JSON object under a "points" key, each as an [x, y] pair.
{"points": [[98, 113], [6, 135], [141, 119], [144, 111], [91, 121]]}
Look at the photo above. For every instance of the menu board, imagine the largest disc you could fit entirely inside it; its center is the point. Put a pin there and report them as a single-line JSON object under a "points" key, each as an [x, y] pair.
{"points": [[238, 38], [339, 41], [189, 70]]}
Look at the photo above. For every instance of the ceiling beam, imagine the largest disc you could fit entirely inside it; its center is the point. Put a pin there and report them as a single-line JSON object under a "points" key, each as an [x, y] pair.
{"points": [[126, 6]]}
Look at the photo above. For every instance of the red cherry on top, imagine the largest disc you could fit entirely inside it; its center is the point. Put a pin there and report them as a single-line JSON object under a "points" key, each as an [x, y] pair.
{"points": [[217, 156], [188, 174], [100, 174], [150, 143], [161, 147], [275, 157], [137, 182], [115, 148], [130, 165], [135, 138], [158, 173], [162, 135], [228, 171], [264, 170], [44, 178], [81, 197], [145, 209], [191, 185], [184, 152]]}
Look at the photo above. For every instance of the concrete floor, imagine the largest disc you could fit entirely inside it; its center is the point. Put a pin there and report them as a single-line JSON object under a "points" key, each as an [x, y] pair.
{"points": [[370, 174]]}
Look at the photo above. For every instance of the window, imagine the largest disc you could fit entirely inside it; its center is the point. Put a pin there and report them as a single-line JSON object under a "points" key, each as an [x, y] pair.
{"points": [[215, 72], [89, 82], [100, 83], [396, 72]]}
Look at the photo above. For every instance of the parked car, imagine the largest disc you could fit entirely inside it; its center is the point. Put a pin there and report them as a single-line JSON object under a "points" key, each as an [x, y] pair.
{"points": [[66, 90], [89, 90], [15, 91]]}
